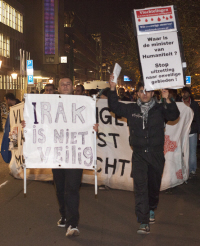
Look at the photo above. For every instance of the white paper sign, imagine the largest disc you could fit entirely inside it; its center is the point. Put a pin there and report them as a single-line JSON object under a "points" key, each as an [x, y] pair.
{"points": [[154, 20], [116, 72], [59, 131], [16, 139], [161, 61]]}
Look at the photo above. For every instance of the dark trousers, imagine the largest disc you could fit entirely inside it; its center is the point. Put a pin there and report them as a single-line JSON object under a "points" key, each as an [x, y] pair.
{"points": [[67, 184], [147, 171]]}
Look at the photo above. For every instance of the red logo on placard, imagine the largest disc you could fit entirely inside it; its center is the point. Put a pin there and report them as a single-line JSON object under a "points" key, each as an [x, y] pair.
{"points": [[163, 17], [166, 18], [179, 174], [169, 145], [170, 17], [146, 20], [159, 19], [145, 13], [151, 19], [139, 20]]}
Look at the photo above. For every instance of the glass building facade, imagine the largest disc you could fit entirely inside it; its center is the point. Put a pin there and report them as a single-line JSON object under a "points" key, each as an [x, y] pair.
{"points": [[11, 40]]}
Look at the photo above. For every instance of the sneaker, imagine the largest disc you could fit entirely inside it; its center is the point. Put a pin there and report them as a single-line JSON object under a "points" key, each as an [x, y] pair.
{"points": [[61, 222], [72, 231], [192, 175], [143, 229], [151, 217]]}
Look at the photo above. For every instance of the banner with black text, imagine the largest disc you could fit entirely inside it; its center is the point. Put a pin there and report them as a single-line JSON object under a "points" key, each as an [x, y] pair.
{"points": [[114, 153], [59, 131]]}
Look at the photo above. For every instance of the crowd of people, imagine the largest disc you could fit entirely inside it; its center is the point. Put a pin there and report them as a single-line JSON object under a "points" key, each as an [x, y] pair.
{"points": [[146, 118]]}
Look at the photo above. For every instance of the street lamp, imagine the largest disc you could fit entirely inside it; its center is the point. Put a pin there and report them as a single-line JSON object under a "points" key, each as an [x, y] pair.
{"points": [[51, 80], [14, 77]]}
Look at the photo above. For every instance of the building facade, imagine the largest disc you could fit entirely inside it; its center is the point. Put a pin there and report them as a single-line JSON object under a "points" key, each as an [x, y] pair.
{"points": [[83, 50], [56, 41], [12, 38]]}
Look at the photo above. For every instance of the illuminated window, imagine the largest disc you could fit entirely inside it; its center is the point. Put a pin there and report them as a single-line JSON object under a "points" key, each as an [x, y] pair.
{"points": [[4, 80], [7, 14], [4, 45], [9, 85], [0, 11], [7, 47], [11, 17], [1, 82], [49, 27], [21, 23]]}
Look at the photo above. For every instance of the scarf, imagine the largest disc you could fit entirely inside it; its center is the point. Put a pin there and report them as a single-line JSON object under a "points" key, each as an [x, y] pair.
{"points": [[145, 107]]}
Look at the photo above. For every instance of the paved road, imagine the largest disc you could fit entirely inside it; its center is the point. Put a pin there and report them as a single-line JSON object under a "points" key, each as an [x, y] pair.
{"points": [[108, 221]]}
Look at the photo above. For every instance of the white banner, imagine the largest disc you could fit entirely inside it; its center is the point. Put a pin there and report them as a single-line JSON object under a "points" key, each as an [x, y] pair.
{"points": [[114, 153], [16, 140], [161, 61], [59, 131], [158, 46]]}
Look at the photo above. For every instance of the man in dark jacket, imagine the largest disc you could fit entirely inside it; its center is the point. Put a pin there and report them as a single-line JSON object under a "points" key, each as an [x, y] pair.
{"points": [[121, 95], [195, 130], [146, 123]]}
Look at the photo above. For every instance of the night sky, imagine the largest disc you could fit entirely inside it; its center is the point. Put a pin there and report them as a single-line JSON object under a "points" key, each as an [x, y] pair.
{"points": [[103, 15]]}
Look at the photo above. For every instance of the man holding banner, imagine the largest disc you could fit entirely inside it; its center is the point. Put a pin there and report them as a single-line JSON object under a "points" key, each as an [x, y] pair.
{"points": [[67, 183], [146, 123], [66, 144]]}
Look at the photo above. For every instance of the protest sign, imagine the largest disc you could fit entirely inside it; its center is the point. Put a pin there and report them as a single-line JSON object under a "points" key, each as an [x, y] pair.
{"points": [[16, 139], [59, 131], [155, 20], [161, 60], [114, 154], [116, 72], [159, 48]]}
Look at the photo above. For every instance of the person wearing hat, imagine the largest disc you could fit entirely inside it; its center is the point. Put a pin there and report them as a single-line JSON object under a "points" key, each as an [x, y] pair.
{"points": [[195, 130]]}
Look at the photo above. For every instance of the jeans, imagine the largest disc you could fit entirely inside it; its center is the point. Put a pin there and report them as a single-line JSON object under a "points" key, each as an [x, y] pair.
{"points": [[193, 153], [147, 173], [67, 184]]}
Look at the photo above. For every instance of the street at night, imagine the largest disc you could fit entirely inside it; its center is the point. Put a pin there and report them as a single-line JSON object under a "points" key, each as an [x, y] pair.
{"points": [[99, 96], [108, 220]]}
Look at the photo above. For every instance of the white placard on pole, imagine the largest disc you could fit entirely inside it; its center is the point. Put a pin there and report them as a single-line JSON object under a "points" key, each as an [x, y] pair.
{"points": [[160, 60], [59, 132]]}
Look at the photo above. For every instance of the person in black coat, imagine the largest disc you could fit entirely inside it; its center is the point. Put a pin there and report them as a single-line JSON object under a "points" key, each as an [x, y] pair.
{"points": [[195, 130], [146, 123], [121, 95]]}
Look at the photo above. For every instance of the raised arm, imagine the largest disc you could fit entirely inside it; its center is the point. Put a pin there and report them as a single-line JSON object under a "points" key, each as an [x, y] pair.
{"points": [[170, 109]]}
